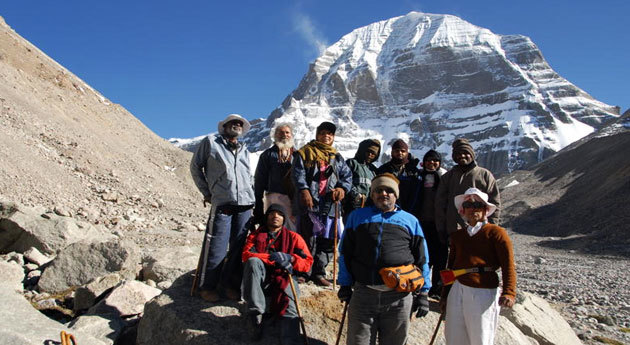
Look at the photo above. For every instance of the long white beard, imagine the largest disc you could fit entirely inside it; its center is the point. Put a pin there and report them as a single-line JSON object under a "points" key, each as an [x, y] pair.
{"points": [[285, 144]]}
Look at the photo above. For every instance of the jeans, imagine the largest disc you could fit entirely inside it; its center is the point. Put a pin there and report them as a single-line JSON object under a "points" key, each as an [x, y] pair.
{"points": [[373, 313], [222, 246]]}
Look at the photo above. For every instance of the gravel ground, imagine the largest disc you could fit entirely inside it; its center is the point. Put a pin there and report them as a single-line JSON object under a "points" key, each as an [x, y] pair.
{"points": [[590, 291]]}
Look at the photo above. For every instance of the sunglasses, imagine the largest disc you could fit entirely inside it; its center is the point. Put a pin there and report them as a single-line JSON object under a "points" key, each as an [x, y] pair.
{"points": [[473, 204], [380, 190]]}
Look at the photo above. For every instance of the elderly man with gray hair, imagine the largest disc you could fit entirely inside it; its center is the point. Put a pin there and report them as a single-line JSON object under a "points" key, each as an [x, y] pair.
{"points": [[272, 180], [220, 169]]}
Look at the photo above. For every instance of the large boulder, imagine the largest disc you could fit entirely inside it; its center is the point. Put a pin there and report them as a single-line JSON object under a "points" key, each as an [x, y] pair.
{"points": [[538, 320], [126, 299], [81, 262], [174, 317], [21, 323], [107, 328], [22, 228], [167, 264]]}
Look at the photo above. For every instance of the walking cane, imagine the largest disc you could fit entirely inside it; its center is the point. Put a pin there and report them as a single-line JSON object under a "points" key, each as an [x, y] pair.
{"points": [[343, 319], [436, 329], [297, 307], [335, 248]]}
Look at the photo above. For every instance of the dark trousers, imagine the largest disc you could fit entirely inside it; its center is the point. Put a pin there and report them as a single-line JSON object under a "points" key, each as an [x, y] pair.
{"points": [[438, 252], [222, 246]]}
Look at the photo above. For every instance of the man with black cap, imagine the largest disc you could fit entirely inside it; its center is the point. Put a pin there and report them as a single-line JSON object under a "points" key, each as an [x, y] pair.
{"points": [[464, 175], [363, 171], [271, 254], [405, 167], [220, 169], [379, 237], [322, 179]]}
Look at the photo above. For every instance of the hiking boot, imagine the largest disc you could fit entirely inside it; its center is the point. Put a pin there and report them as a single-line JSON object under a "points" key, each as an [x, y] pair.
{"points": [[321, 281], [210, 295], [435, 293], [232, 294], [254, 326]]}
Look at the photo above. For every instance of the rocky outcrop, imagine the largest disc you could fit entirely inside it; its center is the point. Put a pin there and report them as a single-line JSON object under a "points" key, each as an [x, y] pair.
{"points": [[22, 228], [536, 319], [126, 299], [174, 318], [21, 323], [80, 263]]}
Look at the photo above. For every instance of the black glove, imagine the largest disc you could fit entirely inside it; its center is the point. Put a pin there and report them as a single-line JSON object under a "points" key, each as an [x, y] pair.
{"points": [[420, 304], [282, 260], [344, 293]]}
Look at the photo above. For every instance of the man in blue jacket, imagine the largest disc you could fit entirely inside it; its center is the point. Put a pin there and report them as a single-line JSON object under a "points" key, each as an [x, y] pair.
{"points": [[376, 237], [220, 169], [322, 179]]}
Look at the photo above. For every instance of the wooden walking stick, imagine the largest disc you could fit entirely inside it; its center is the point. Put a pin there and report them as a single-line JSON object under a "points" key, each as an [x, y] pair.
{"points": [[297, 308], [436, 329], [335, 247], [193, 288], [343, 319]]}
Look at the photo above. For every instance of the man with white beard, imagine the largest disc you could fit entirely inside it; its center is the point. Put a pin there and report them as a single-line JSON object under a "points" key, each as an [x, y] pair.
{"points": [[220, 169], [272, 180]]}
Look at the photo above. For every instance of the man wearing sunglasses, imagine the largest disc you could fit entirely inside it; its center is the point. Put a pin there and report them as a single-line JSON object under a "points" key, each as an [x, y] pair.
{"points": [[476, 252], [464, 175], [376, 237]]}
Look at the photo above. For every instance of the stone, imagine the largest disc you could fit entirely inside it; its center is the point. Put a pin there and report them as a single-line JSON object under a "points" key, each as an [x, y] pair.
{"points": [[35, 256], [86, 296], [537, 320], [23, 324], [169, 263], [81, 262], [106, 328], [22, 228], [126, 299]]}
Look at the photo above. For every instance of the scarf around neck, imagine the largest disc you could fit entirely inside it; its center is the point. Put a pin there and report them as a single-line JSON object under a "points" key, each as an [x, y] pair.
{"points": [[315, 151]]}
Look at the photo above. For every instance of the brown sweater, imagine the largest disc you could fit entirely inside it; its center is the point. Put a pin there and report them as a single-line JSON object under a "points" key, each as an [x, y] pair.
{"points": [[490, 247]]}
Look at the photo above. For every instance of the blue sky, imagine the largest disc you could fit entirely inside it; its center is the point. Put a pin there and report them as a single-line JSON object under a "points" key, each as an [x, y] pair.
{"points": [[181, 66]]}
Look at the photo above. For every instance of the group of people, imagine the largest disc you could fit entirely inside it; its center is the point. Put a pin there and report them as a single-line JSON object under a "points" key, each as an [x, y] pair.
{"points": [[400, 215]]}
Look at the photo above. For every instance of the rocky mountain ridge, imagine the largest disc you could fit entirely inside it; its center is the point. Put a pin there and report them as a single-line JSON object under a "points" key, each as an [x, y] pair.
{"points": [[430, 78]]}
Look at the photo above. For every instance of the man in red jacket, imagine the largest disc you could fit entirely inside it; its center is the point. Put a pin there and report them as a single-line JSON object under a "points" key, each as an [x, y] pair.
{"points": [[271, 254]]}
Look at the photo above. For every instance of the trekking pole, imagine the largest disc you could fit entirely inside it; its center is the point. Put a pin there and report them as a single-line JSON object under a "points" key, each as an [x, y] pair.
{"points": [[363, 197], [343, 319], [436, 329], [68, 339], [335, 248], [193, 288], [297, 307]]}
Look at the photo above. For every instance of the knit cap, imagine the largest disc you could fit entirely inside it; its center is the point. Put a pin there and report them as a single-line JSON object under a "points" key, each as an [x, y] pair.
{"points": [[462, 144], [277, 208], [432, 154], [386, 180], [400, 144]]}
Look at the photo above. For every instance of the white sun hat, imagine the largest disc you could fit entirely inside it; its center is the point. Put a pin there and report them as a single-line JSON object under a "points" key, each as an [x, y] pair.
{"points": [[459, 200], [231, 117]]}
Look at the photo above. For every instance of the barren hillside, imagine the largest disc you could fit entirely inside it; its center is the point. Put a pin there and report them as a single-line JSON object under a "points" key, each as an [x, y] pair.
{"points": [[66, 146]]}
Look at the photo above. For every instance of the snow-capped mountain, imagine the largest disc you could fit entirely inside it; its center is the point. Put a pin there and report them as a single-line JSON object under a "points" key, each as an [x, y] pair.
{"points": [[431, 78]]}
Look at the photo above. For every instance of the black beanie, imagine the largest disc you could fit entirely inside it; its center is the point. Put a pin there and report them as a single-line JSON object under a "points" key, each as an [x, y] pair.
{"points": [[277, 208], [400, 144], [432, 154], [462, 144]]}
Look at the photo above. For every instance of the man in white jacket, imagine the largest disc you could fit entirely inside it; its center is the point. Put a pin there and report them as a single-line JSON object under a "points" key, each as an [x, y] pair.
{"points": [[220, 169]]}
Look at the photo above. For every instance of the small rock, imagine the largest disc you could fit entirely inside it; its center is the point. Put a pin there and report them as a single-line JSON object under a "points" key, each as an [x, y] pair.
{"points": [[17, 257], [150, 282], [539, 260], [164, 284], [35, 256], [31, 267], [48, 303], [62, 211]]}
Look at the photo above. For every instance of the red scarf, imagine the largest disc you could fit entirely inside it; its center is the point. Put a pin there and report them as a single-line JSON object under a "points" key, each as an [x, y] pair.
{"points": [[279, 278]]}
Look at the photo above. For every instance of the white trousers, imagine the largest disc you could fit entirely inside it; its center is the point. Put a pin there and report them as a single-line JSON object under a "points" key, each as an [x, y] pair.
{"points": [[472, 315]]}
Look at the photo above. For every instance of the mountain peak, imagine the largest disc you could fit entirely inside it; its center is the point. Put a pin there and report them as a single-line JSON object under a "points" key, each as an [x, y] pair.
{"points": [[429, 78]]}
